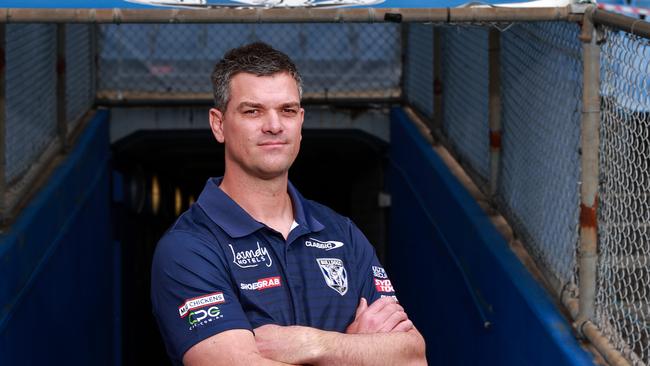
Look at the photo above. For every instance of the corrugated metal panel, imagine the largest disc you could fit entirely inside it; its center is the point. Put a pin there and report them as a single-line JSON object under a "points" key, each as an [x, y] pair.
{"points": [[30, 94]]}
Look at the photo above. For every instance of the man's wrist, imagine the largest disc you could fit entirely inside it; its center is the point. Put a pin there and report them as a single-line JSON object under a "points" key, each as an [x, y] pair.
{"points": [[315, 344]]}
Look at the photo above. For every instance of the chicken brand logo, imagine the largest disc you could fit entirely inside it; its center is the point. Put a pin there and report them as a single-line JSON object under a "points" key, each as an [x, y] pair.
{"points": [[201, 301]]}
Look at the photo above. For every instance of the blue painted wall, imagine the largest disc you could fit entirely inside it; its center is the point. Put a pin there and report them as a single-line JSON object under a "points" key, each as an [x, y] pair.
{"points": [[467, 293], [56, 271]]}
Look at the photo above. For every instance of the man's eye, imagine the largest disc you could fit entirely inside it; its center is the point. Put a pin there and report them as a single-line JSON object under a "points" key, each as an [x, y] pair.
{"points": [[290, 111], [251, 112]]}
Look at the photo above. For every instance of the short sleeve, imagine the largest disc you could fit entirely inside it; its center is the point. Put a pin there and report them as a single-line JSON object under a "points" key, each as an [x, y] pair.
{"points": [[191, 292], [374, 281]]}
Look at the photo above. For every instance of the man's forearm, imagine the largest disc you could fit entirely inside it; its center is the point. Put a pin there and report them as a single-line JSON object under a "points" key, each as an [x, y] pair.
{"points": [[304, 345], [399, 348]]}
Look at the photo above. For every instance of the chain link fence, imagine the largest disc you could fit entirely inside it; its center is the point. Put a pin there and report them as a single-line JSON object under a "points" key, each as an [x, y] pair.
{"points": [[465, 95], [539, 172], [34, 69], [336, 60], [541, 76], [539, 179], [418, 68], [80, 72], [623, 287], [30, 92]]}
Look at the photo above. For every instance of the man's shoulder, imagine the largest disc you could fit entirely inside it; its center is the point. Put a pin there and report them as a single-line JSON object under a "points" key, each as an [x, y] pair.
{"points": [[192, 229]]}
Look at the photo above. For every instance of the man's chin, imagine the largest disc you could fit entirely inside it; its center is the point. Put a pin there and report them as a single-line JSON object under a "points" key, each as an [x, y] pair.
{"points": [[271, 174]]}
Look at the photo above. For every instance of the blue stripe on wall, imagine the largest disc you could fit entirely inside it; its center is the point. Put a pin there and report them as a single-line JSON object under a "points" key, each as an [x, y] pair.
{"points": [[57, 264], [467, 293]]}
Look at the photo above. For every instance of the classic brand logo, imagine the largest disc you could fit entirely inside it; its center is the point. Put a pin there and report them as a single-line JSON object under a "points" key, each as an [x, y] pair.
{"points": [[327, 245], [334, 273], [262, 284], [251, 258], [201, 301]]}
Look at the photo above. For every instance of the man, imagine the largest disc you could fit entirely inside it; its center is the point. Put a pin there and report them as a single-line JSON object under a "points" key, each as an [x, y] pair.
{"points": [[255, 274]]}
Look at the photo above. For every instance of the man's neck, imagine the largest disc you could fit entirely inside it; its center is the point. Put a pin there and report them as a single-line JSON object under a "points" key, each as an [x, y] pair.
{"points": [[267, 201]]}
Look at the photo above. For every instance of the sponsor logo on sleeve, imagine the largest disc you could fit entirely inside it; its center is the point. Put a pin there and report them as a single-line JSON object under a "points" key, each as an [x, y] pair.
{"points": [[336, 277], [325, 245], [393, 296], [379, 272], [203, 316], [262, 284], [252, 257], [200, 302], [383, 285]]}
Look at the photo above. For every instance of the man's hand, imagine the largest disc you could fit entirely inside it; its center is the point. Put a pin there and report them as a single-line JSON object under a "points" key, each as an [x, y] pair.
{"points": [[382, 316]]}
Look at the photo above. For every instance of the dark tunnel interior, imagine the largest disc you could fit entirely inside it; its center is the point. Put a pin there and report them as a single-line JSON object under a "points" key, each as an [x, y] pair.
{"points": [[164, 171]]}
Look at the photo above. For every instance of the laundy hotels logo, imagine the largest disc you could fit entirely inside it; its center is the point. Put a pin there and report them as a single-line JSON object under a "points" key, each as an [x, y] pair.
{"points": [[200, 302], [326, 245], [252, 257]]}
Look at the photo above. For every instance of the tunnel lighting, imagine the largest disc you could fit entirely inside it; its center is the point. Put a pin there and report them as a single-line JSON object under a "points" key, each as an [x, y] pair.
{"points": [[178, 201], [190, 200], [155, 195]]}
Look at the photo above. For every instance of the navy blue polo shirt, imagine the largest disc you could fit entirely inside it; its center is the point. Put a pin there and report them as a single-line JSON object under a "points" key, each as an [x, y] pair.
{"points": [[218, 269]]}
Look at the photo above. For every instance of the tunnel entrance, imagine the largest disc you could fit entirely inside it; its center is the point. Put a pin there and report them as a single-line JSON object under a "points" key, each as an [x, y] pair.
{"points": [[162, 172]]}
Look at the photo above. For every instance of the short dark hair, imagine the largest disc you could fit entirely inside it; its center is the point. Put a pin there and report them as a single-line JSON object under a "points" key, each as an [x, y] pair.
{"points": [[256, 58]]}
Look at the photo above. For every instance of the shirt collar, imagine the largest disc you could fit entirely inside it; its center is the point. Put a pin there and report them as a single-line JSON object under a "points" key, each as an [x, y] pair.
{"points": [[236, 222]]}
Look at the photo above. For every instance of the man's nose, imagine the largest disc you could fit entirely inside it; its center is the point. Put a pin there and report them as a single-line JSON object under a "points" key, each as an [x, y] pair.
{"points": [[272, 123]]}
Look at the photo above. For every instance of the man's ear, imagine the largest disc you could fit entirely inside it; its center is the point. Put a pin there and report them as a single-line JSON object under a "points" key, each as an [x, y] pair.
{"points": [[216, 124]]}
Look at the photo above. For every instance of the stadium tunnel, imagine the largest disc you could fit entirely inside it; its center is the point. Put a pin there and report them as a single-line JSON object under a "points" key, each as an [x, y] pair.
{"points": [[163, 156], [86, 234]]}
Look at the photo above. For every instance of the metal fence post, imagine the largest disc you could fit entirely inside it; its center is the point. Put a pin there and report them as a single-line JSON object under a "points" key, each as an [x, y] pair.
{"points": [[61, 115], [437, 79], [589, 141], [494, 108]]}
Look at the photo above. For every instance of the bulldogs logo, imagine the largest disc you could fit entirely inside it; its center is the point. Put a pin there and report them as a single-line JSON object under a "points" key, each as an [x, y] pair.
{"points": [[334, 273]]}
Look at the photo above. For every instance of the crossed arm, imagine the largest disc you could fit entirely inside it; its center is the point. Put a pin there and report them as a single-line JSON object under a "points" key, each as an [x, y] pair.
{"points": [[381, 334]]}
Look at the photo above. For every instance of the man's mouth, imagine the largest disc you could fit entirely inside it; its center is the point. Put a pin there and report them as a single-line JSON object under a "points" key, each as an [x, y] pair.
{"points": [[272, 143]]}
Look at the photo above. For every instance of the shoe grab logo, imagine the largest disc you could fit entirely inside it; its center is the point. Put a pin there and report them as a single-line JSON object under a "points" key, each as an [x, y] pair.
{"points": [[334, 273], [251, 258], [326, 245], [262, 284], [200, 302], [202, 317]]}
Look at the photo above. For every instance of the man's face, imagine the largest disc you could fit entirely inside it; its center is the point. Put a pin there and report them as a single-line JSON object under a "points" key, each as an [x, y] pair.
{"points": [[261, 127]]}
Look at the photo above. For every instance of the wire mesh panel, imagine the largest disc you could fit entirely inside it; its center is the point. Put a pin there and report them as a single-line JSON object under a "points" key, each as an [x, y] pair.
{"points": [[465, 80], [80, 86], [623, 287], [336, 60], [30, 92], [418, 68], [539, 179]]}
